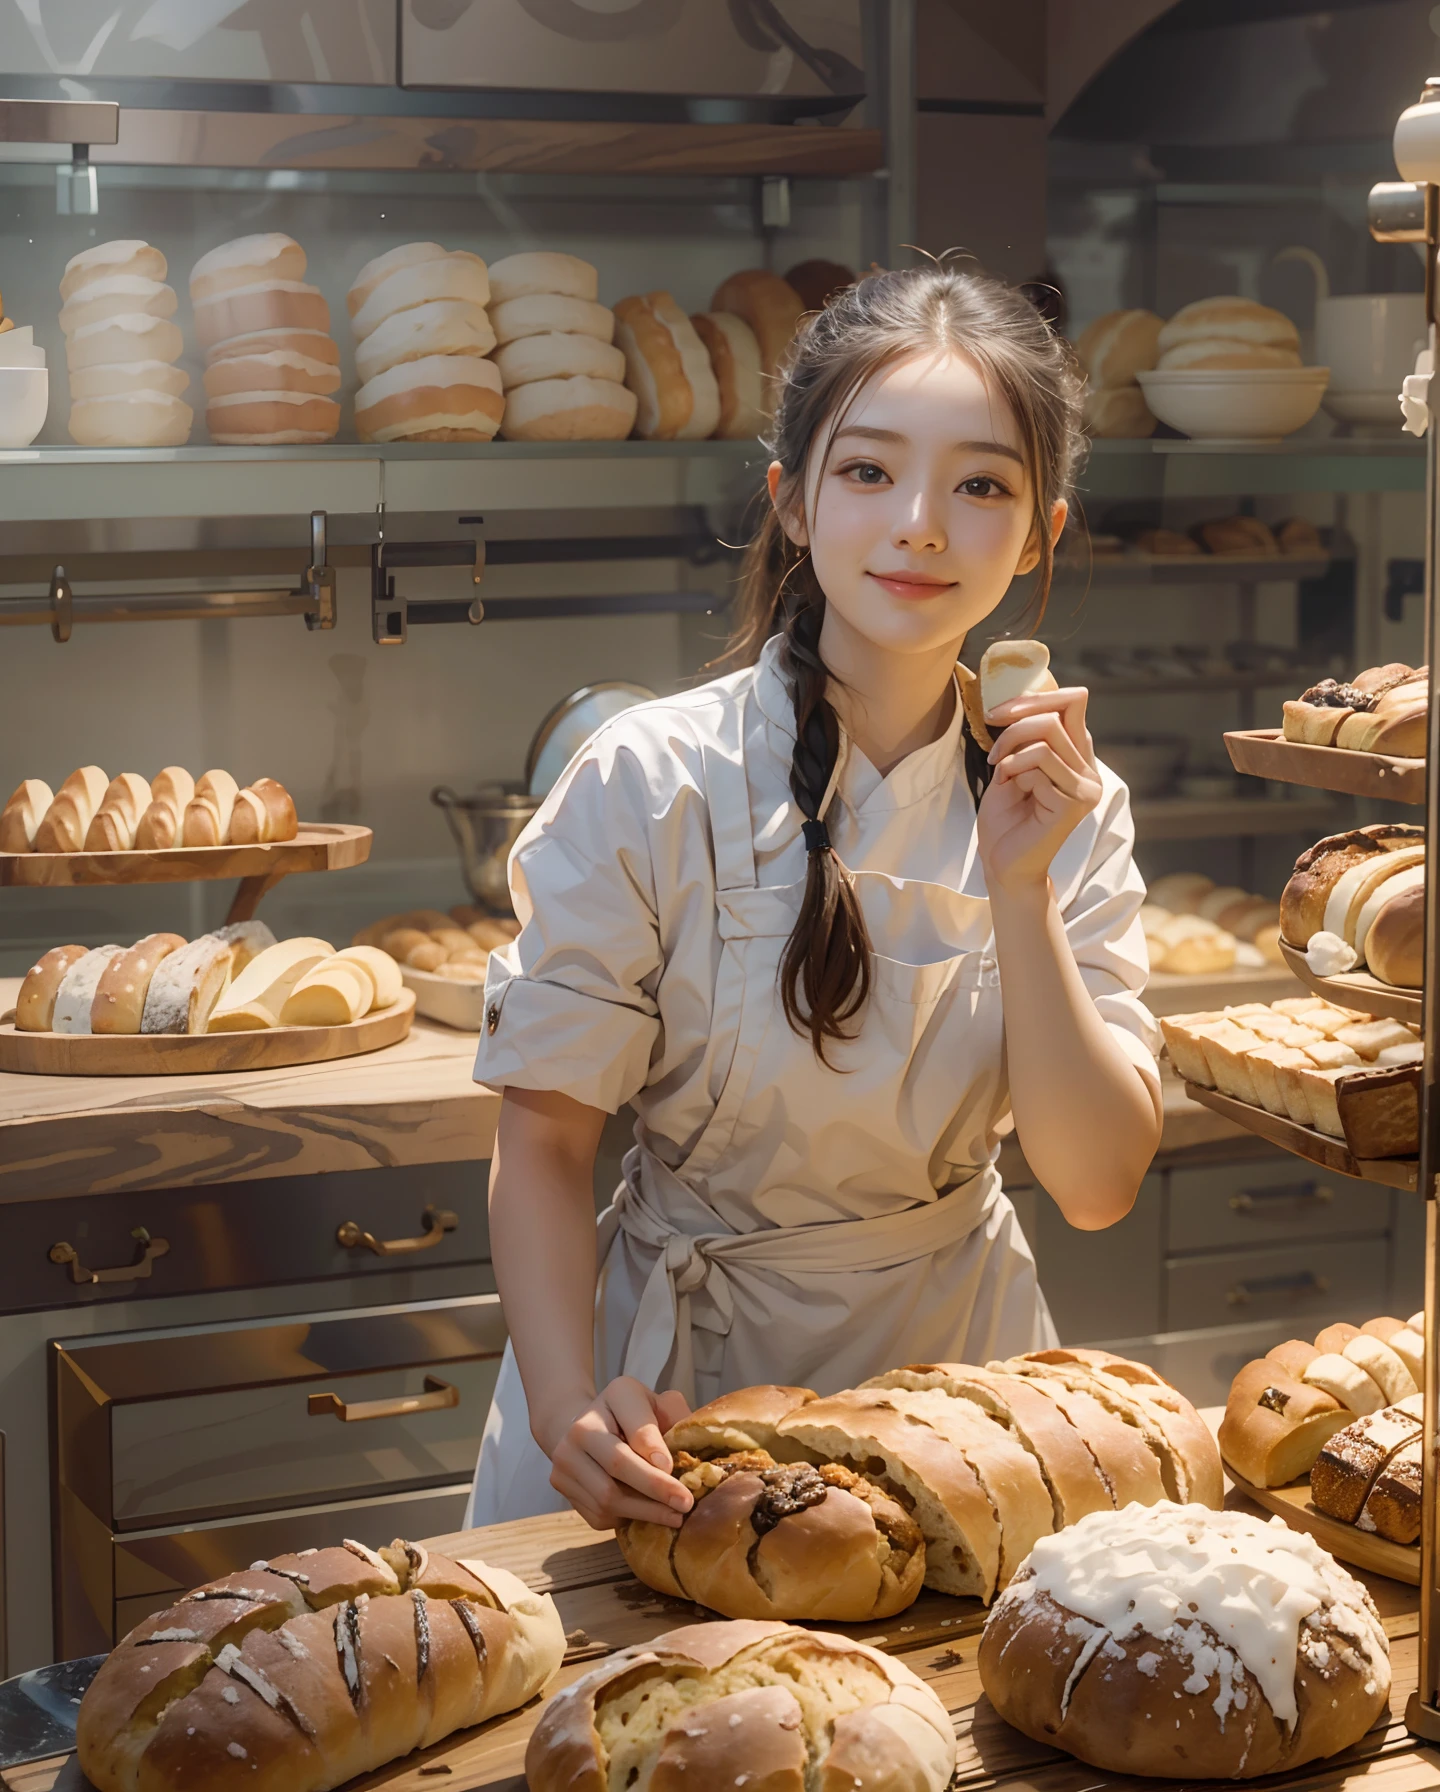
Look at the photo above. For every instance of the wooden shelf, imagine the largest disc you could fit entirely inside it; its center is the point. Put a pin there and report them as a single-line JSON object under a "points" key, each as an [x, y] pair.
{"points": [[1265, 753], [1184, 818], [1194, 569], [1304, 1141], [1357, 989], [1165, 993]]}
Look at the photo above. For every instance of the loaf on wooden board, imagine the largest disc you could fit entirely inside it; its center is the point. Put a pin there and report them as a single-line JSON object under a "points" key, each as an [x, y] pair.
{"points": [[35, 1005], [23, 814]]}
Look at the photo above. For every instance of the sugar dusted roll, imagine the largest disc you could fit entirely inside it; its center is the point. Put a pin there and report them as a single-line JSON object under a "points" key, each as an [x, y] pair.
{"points": [[382, 266], [439, 327], [542, 271], [456, 275], [245, 261], [126, 257], [141, 419], [267, 305], [440, 398], [536, 314], [558, 355], [572, 410], [268, 418], [271, 370], [117, 295], [130, 336], [147, 380]]}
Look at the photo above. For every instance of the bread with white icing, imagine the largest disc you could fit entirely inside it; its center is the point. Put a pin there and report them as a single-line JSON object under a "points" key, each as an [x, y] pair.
{"points": [[120, 995], [76, 995], [310, 1669], [1182, 1643], [35, 1005], [186, 986]]}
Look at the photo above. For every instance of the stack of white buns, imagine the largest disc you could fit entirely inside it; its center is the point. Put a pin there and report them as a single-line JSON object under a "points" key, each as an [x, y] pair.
{"points": [[422, 341], [94, 813], [667, 367], [270, 361], [121, 345], [1225, 334], [1113, 350], [564, 378]]}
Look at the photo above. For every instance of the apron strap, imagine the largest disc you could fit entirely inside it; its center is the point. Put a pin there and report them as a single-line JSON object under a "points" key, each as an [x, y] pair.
{"points": [[727, 797]]}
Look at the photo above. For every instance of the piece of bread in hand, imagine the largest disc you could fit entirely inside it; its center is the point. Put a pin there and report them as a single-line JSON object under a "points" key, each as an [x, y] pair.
{"points": [[1010, 669], [22, 815]]}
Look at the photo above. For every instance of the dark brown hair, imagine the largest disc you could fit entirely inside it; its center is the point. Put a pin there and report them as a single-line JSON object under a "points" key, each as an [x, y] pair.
{"points": [[887, 317]]}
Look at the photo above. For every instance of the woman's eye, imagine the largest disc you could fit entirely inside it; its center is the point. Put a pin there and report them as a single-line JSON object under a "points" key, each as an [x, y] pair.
{"points": [[982, 486], [865, 472]]}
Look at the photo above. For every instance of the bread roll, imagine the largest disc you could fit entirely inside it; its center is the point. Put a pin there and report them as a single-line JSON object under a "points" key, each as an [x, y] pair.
{"points": [[1318, 870], [1117, 346], [382, 970], [128, 379], [771, 307], [123, 256], [412, 946], [35, 1004], [1235, 319], [542, 271], [1346, 1381], [332, 993], [537, 314], [443, 327], [272, 370], [1224, 353], [816, 282], [23, 814], [1395, 941], [1243, 535], [1298, 535], [459, 275], [1383, 1365], [116, 295], [65, 823], [112, 829], [735, 361], [207, 817], [1117, 413], [186, 986], [408, 255], [558, 355], [137, 419], [267, 305], [269, 418], [1181, 891], [1275, 1424], [131, 336], [75, 997], [267, 980], [311, 1669], [441, 398], [760, 1704], [668, 369], [263, 812], [1352, 1459], [311, 345], [1011, 669], [1203, 1628], [574, 410], [119, 1002], [244, 261], [171, 794]]}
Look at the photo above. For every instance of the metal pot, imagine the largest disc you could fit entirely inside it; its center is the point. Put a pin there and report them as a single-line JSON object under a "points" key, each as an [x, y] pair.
{"points": [[485, 827]]}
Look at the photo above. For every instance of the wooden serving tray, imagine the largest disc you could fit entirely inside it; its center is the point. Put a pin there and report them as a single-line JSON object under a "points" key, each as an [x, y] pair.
{"points": [[1362, 1549], [319, 846], [1357, 989], [1304, 1141], [199, 1054], [1265, 753]]}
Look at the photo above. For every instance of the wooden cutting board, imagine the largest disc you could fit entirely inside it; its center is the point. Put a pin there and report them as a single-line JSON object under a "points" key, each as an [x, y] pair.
{"points": [[1362, 1549]]}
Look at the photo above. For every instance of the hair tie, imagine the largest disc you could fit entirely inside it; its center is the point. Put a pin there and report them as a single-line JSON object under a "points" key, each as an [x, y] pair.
{"points": [[817, 836]]}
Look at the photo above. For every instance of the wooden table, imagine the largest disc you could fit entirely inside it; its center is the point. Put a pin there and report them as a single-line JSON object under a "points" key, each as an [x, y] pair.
{"points": [[604, 1608]]}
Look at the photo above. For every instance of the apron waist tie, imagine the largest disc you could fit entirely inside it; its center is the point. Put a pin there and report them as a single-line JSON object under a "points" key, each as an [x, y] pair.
{"points": [[689, 1284]]}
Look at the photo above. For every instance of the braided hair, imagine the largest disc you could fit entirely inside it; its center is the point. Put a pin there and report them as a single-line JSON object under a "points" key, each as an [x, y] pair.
{"points": [[887, 317]]}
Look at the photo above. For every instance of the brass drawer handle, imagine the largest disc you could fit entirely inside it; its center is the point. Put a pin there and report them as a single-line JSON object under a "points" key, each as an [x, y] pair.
{"points": [[1249, 1199], [138, 1271], [438, 1395], [437, 1221], [1304, 1282]]}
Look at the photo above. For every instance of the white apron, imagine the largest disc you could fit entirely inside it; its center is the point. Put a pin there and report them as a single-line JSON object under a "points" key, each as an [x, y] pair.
{"points": [[685, 1301]]}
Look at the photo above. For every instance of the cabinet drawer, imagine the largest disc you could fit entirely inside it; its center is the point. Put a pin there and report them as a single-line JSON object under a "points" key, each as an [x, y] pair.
{"points": [[243, 1234], [1268, 1203], [1305, 1285]]}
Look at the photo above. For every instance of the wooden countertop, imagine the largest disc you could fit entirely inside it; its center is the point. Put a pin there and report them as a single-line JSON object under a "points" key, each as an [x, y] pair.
{"points": [[604, 1608], [413, 1103]]}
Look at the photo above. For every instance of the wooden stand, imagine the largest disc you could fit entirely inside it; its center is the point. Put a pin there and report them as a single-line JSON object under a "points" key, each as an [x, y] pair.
{"points": [[1357, 989], [1265, 753], [1304, 1141], [1346, 1541]]}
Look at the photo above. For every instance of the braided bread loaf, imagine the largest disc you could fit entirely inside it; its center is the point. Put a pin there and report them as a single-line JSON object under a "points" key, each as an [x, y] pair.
{"points": [[295, 1675]]}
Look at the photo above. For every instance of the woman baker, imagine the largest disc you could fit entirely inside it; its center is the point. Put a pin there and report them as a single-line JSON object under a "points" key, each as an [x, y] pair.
{"points": [[820, 941]]}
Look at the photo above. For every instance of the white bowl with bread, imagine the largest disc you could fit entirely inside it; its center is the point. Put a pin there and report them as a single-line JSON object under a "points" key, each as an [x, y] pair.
{"points": [[1262, 404]]}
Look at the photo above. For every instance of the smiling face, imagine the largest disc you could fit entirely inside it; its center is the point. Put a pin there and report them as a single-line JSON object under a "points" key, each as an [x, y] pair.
{"points": [[923, 510]]}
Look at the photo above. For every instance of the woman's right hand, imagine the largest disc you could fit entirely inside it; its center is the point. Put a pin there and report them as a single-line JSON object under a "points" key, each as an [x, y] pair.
{"points": [[611, 1462]]}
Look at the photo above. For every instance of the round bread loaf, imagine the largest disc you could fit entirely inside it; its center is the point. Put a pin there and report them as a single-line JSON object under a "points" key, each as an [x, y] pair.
{"points": [[266, 305], [747, 1419], [270, 418], [114, 379], [1231, 317], [668, 369], [124, 255], [1224, 353], [1395, 944], [116, 295], [1117, 346], [558, 355], [536, 314], [408, 255], [457, 275], [1186, 1644], [442, 398], [132, 336], [735, 361], [312, 1668], [575, 410], [771, 306], [763, 1705], [131, 420], [244, 261], [816, 282], [271, 370], [543, 270], [1318, 869], [439, 327], [1117, 412]]}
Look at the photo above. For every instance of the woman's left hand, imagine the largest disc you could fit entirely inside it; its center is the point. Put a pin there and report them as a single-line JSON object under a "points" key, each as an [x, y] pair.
{"points": [[1045, 783]]}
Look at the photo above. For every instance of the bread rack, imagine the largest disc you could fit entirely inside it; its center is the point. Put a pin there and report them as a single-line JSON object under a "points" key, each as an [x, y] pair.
{"points": [[1403, 211]]}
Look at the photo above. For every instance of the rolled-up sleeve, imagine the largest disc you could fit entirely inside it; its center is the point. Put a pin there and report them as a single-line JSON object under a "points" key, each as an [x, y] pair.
{"points": [[1100, 894], [570, 1004]]}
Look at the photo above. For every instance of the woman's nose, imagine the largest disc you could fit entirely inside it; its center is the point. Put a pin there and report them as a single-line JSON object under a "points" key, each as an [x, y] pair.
{"points": [[920, 526]]}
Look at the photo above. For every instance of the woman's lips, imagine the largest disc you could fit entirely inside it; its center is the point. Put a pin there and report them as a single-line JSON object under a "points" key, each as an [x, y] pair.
{"points": [[908, 585]]}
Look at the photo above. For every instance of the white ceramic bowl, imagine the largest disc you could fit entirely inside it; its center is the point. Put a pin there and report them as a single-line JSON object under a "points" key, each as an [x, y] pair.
{"points": [[1259, 404], [24, 400], [1369, 409]]}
